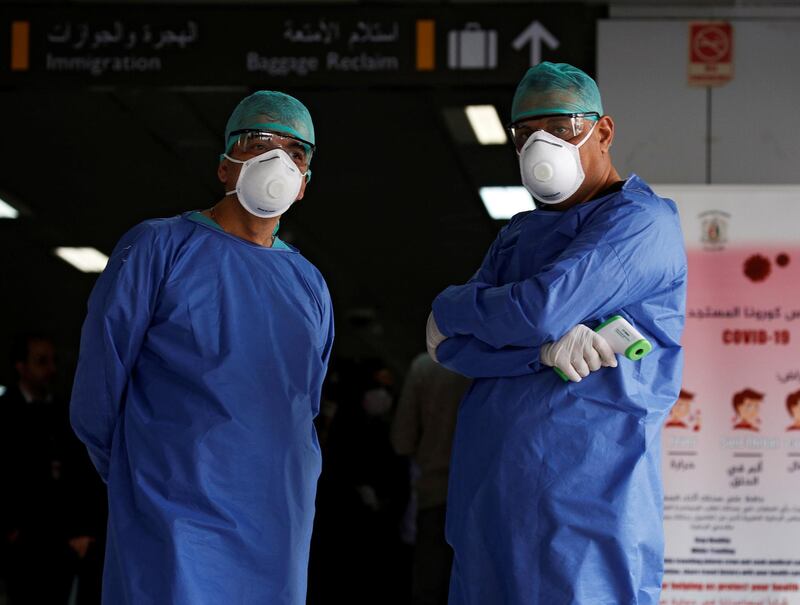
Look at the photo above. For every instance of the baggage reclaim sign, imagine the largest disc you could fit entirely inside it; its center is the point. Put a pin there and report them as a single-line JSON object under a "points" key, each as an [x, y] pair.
{"points": [[264, 46]]}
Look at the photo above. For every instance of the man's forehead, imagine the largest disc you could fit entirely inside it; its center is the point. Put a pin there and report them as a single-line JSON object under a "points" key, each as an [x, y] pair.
{"points": [[268, 132], [38, 349], [274, 123], [544, 103], [273, 128], [537, 122], [40, 344]]}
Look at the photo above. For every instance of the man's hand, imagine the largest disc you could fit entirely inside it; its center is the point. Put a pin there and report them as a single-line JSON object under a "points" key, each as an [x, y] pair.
{"points": [[578, 353], [433, 336]]}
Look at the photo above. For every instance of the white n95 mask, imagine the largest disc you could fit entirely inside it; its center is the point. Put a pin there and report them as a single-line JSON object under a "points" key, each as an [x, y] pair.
{"points": [[551, 167], [377, 402], [268, 183]]}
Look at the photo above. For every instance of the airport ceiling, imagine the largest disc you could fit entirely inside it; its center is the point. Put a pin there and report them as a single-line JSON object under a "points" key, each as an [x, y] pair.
{"points": [[391, 217]]}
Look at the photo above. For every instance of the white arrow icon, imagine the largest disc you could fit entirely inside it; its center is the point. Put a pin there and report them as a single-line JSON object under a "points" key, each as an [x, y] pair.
{"points": [[535, 33]]}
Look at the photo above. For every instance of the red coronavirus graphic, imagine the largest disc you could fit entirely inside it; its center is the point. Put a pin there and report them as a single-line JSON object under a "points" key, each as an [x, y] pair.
{"points": [[757, 268], [783, 259]]}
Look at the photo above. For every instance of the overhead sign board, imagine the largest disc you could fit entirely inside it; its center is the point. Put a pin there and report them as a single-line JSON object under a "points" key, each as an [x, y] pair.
{"points": [[292, 45]]}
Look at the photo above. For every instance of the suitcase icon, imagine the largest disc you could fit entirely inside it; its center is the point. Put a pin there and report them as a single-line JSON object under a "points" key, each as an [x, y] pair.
{"points": [[472, 48]]}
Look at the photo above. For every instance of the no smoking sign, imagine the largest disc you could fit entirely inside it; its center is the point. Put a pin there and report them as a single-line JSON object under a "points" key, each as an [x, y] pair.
{"points": [[710, 53]]}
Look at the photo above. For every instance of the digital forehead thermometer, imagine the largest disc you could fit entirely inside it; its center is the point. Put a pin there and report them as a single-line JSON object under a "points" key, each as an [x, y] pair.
{"points": [[623, 338]]}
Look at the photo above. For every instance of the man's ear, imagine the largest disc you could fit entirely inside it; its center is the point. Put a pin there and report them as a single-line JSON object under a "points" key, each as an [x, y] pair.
{"points": [[605, 126], [222, 171]]}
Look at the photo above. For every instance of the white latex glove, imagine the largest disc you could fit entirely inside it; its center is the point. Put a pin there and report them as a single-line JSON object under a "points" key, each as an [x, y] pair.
{"points": [[433, 337], [578, 353]]}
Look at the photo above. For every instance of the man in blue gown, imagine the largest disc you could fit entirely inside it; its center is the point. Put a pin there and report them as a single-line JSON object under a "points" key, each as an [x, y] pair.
{"points": [[202, 358], [555, 493]]}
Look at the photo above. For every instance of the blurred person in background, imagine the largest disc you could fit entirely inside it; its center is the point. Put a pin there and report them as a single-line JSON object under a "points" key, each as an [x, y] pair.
{"points": [[363, 495], [52, 508], [423, 429], [202, 360]]}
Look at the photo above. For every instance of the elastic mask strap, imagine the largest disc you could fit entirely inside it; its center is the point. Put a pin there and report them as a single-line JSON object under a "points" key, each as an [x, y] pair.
{"points": [[586, 138], [235, 161]]}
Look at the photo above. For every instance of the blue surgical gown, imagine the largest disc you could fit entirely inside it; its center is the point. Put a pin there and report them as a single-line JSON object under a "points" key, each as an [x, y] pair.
{"points": [[202, 359], [555, 493]]}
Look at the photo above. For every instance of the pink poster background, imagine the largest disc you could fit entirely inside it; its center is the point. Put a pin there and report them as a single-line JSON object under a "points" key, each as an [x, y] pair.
{"points": [[732, 495], [724, 355]]}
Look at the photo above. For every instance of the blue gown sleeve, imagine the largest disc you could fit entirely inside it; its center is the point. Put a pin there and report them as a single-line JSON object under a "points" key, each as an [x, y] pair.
{"points": [[474, 358], [327, 330], [119, 312], [613, 261]]}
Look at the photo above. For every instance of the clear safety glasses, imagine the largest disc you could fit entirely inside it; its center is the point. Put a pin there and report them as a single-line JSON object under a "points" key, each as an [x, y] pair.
{"points": [[564, 126], [256, 142]]}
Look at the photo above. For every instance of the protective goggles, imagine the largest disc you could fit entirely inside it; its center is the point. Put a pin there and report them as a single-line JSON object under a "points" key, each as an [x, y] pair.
{"points": [[256, 142], [565, 126]]}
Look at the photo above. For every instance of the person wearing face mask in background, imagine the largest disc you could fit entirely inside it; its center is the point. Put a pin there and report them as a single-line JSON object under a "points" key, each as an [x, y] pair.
{"points": [[362, 496], [423, 429], [555, 493], [202, 359]]}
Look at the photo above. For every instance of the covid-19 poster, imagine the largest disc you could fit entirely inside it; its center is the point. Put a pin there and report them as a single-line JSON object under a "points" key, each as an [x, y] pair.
{"points": [[731, 445]]}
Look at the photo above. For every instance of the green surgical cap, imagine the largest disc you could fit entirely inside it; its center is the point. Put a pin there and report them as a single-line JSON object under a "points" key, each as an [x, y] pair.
{"points": [[270, 110], [552, 88]]}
